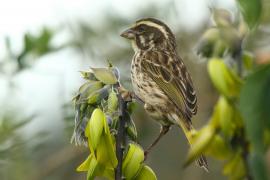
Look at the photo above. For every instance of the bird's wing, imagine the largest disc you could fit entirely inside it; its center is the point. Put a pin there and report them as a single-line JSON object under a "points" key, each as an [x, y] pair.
{"points": [[172, 77]]}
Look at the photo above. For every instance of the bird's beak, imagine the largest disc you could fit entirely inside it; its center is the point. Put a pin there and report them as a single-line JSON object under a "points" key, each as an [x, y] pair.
{"points": [[128, 34]]}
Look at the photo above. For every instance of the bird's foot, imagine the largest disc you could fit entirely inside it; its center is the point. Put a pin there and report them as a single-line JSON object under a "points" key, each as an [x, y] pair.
{"points": [[126, 94], [163, 131]]}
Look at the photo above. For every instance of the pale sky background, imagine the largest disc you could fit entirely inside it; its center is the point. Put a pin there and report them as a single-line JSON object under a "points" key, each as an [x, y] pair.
{"points": [[39, 86]]}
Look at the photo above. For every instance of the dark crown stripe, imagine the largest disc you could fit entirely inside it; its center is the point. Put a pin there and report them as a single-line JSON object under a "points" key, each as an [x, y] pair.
{"points": [[158, 22]]}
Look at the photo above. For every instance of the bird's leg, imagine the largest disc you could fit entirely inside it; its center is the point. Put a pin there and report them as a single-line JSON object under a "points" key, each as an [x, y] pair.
{"points": [[163, 130]]}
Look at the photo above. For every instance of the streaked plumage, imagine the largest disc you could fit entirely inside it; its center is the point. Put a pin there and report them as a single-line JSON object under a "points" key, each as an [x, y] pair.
{"points": [[159, 76]]}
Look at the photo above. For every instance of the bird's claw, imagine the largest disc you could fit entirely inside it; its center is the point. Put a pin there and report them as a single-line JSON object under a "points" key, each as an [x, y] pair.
{"points": [[126, 95]]}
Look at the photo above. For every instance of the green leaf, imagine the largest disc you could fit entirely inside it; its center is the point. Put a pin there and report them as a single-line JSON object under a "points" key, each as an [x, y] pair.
{"points": [[43, 41], [257, 166], [251, 11], [267, 137], [38, 44], [254, 106]]}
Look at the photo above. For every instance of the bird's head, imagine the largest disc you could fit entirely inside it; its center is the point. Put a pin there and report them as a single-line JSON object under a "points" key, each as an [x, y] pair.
{"points": [[150, 33]]}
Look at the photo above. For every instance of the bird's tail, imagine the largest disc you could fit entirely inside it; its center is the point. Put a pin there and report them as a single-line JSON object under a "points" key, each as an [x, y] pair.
{"points": [[188, 128]]}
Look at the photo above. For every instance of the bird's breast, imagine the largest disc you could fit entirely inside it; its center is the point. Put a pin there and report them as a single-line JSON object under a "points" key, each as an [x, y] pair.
{"points": [[143, 85]]}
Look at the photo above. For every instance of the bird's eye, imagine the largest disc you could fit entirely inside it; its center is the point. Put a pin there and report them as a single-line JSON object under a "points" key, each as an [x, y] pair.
{"points": [[141, 28]]}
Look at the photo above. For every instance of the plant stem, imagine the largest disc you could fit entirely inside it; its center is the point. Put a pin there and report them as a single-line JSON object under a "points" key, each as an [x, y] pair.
{"points": [[245, 144], [120, 138]]}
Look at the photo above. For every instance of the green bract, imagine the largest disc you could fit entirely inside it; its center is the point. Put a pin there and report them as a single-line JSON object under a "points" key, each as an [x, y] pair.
{"points": [[105, 75], [87, 90], [112, 102], [98, 95]]}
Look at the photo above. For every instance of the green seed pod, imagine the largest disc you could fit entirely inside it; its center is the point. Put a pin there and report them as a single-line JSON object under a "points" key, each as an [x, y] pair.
{"points": [[94, 128], [146, 173], [112, 102], [131, 130], [219, 149], [235, 167], [226, 117], [133, 161], [105, 152], [225, 81]]}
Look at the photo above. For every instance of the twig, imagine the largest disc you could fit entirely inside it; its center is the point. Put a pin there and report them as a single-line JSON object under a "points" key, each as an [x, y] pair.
{"points": [[120, 134]]}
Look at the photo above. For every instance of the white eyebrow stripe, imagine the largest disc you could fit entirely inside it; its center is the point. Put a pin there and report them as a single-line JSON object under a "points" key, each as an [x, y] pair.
{"points": [[148, 23]]}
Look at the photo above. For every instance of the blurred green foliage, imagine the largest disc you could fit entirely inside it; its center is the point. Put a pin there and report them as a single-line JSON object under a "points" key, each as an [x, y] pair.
{"points": [[16, 147], [251, 11], [256, 94], [239, 126]]}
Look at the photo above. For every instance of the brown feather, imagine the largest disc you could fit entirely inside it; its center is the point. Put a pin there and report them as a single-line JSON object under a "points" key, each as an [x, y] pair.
{"points": [[173, 79]]}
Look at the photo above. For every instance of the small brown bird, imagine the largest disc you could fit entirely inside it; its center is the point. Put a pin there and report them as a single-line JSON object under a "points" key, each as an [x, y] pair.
{"points": [[160, 79]]}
